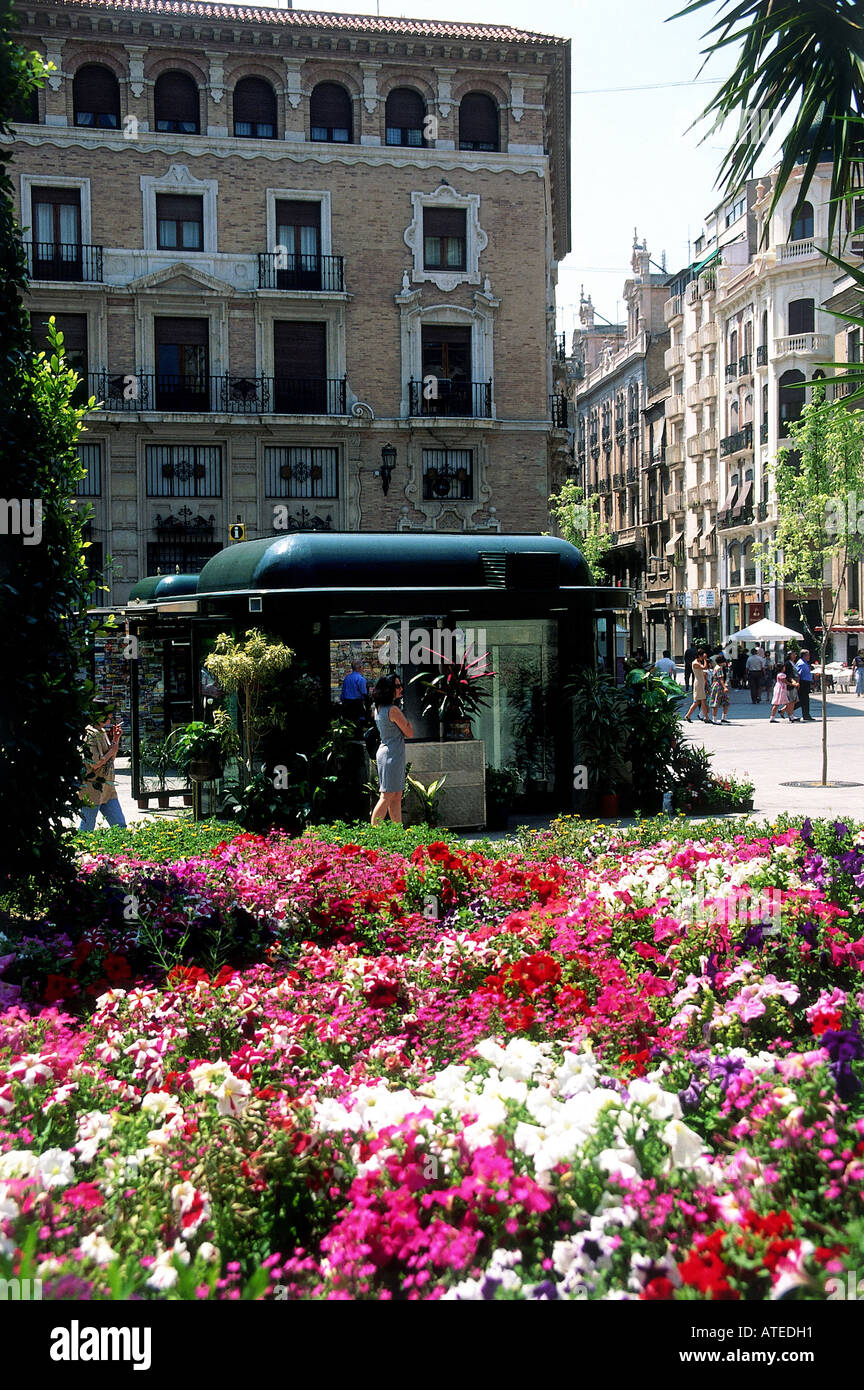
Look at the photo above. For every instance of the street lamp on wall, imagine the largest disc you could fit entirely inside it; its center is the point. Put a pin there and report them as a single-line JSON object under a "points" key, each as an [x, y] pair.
{"points": [[385, 472]]}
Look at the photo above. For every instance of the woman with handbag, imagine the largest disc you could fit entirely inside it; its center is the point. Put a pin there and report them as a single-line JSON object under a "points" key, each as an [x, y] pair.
{"points": [[393, 728], [701, 680]]}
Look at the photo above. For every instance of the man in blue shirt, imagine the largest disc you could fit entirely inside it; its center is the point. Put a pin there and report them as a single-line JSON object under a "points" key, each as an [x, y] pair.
{"points": [[805, 684], [354, 694]]}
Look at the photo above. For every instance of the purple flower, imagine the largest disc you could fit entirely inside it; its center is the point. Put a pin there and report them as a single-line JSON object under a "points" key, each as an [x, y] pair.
{"points": [[841, 829], [724, 1068], [692, 1094], [809, 931], [807, 830], [754, 935], [844, 1046]]}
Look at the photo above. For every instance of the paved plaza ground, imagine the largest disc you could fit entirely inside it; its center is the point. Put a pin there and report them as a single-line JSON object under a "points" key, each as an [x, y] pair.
{"points": [[769, 755]]}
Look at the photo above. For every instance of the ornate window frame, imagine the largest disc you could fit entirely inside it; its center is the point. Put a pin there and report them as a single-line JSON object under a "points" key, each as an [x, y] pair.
{"points": [[413, 316], [476, 239], [179, 180]]}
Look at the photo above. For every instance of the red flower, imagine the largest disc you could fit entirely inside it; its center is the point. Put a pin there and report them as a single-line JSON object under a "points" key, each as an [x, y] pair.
{"points": [[659, 1288], [116, 968], [58, 987]]}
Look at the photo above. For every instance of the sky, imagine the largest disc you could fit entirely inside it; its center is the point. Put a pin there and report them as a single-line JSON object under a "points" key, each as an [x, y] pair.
{"points": [[634, 162]]}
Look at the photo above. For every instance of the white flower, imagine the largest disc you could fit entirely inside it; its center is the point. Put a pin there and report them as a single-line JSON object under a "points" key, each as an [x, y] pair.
{"points": [[685, 1146], [661, 1105], [95, 1247], [623, 1161], [31, 1071], [160, 1102], [233, 1095], [54, 1168], [208, 1075], [17, 1163]]}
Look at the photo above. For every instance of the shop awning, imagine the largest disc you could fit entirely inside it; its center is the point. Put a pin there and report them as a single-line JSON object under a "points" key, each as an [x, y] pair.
{"points": [[674, 542], [707, 533], [744, 498]]}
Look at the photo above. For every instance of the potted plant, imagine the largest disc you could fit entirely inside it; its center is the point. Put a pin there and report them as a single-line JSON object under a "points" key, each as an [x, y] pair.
{"points": [[502, 788], [201, 749], [455, 693], [158, 754], [600, 734]]}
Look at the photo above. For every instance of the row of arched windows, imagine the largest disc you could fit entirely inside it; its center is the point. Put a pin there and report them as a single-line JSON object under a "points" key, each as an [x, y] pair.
{"points": [[177, 110]]}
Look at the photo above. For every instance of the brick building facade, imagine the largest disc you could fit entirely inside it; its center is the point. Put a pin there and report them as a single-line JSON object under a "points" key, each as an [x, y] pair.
{"points": [[307, 262]]}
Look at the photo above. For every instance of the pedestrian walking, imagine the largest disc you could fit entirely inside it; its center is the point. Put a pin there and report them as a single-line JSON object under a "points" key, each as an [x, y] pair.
{"points": [[858, 668], [755, 668], [782, 699], [394, 728], [665, 665], [689, 657], [804, 672], [719, 691], [97, 792], [700, 688], [354, 695]]}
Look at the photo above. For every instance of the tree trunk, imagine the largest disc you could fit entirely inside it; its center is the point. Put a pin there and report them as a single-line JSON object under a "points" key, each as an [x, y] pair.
{"points": [[824, 681]]}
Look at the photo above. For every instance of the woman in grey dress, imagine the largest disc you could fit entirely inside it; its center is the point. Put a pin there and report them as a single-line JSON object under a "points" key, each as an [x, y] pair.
{"points": [[394, 728]]}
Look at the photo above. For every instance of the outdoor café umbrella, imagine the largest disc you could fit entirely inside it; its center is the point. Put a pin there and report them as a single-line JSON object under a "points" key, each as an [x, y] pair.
{"points": [[763, 631]]}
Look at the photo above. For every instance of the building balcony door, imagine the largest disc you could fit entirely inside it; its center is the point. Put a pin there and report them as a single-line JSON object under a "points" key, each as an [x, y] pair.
{"points": [[300, 368], [298, 231], [182, 364]]}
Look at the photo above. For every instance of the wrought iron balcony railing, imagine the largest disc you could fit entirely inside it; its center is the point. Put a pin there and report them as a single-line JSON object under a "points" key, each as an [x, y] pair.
{"points": [[52, 260], [279, 271], [467, 399], [558, 411], [228, 394], [734, 443]]}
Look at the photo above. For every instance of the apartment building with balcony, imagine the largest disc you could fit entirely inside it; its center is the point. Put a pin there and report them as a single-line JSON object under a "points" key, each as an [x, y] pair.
{"points": [[773, 336], [847, 297], [692, 420], [307, 264], [610, 402]]}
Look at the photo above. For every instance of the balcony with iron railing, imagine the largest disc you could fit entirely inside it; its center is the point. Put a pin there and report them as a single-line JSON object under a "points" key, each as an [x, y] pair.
{"points": [[763, 432], [691, 294], [674, 502], [732, 519], [745, 365], [633, 416], [632, 473], [617, 480], [281, 271], [558, 411], [762, 355], [560, 347], [227, 394], [72, 262], [606, 434], [468, 400], [739, 441], [731, 371]]}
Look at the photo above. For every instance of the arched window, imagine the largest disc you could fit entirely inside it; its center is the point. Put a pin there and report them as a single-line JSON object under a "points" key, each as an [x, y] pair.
{"points": [[96, 97], [801, 316], [748, 565], [176, 104], [734, 554], [733, 348], [330, 117], [733, 418], [478, 122], [254, 109], [791, 399], [818, 376], [802, 225], [764, 338], [404, 116], [747, 418]]}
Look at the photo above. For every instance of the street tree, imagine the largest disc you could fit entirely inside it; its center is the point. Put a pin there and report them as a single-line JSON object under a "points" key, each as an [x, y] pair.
{"points": [[578, 521], [819, 486]]}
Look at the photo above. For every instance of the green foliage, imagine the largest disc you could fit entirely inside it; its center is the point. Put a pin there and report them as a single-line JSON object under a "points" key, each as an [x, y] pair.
{"points": [[201, 742], [160, 840], [429, 798], [306, 786], [458, 690], [158, 754], [600, 731], [247, 667], [44, 589], [653, 731], [578, 521]]}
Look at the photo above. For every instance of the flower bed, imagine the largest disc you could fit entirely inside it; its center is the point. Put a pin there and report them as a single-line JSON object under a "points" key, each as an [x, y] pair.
{"points": [[310, 1070]]}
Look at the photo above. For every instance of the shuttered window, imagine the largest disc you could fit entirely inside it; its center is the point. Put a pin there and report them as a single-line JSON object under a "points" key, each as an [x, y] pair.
{"points": [[96, 97], [404, 117], [478, 122], [91, 459], [254, 109], [444, 238], [176, 104], [330, 114], [179, 222], [801, 316]]}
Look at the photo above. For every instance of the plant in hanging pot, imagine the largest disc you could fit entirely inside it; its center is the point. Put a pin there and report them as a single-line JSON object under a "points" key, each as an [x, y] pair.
{"points": [[456, 692]]}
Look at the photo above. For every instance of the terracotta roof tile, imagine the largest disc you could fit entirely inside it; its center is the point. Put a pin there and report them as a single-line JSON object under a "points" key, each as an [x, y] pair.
{"points": [[312, 19]]}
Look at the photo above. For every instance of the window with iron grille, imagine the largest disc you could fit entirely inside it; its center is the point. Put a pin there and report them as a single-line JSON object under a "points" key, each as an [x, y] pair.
{"points": [[254, 109], [179, 222], [184, 470], [301, 472], [178, 556], [448, 473], [444, 238], [330, 114], [96, 97], [176, 104], [91, 459], [405, 113]]}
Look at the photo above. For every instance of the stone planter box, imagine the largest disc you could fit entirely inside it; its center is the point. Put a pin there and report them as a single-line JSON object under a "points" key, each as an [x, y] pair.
{"points": [[463, 797]]}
